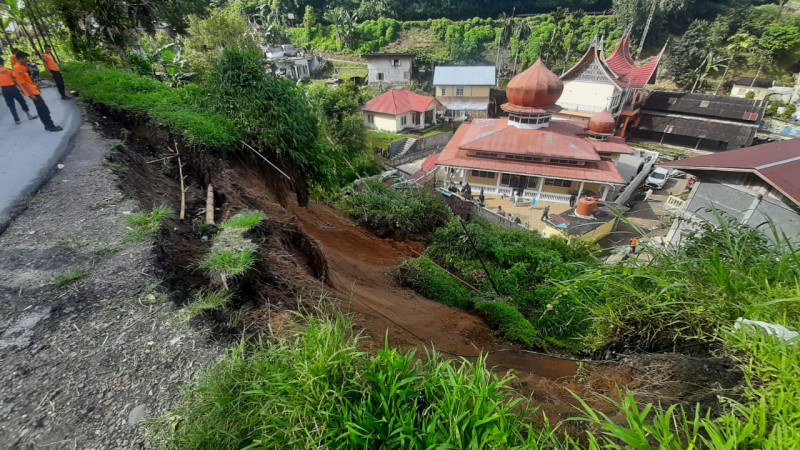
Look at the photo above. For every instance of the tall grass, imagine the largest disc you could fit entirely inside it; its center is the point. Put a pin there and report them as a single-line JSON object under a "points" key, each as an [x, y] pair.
{"points": [[310, 387], [142, 226]]}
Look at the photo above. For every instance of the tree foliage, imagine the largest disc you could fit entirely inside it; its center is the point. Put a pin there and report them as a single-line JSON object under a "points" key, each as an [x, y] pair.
{"points": [[209, 36]]}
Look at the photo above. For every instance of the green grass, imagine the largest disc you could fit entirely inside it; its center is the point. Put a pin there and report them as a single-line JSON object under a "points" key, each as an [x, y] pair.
{"points": [[228, 262], [508, 322], [311, 387], [70, 277], [346, 70], [206, 300], [178, 109], [143, 226], [244, 221], [381, 139]]}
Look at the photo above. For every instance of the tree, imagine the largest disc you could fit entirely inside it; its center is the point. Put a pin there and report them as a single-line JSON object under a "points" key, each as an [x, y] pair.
{"points": [[788, 112], [208, 37], [309, 19]]}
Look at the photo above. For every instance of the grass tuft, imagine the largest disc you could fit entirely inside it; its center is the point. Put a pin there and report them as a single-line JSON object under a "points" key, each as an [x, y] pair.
{"points": [[70, 277], [244, 220], [143, 226], [228, 262], [205, 301]]}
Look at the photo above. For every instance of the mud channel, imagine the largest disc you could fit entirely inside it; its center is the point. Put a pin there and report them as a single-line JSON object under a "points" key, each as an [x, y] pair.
{"points": [[311, 250]]}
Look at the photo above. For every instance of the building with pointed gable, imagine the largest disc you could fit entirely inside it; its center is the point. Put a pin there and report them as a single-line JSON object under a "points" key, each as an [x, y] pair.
{"points": [[615, 83], [529, 152]]}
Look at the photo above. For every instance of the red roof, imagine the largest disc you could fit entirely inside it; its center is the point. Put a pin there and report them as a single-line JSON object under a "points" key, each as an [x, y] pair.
{"points": [[777, 163], [622, 64], [399, 101], [561, 139]]}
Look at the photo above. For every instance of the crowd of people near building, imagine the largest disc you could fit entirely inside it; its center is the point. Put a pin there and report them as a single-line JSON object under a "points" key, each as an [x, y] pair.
{"points": [[17, 81]]}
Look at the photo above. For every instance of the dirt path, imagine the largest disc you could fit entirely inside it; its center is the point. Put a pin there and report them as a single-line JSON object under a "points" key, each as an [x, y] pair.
{"points": [[84, 357]]}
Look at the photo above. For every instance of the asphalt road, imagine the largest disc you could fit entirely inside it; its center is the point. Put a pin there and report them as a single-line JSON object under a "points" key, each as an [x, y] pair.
{"points": [[29, 154]]}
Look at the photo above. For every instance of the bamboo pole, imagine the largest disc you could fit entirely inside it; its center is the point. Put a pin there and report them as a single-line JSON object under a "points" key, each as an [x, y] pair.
{"points": [[183, 188], [210, 205]]}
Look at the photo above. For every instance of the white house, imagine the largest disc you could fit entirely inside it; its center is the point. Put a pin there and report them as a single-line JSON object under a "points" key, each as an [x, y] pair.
{"points": [[389, 69], [398, 109], [760, 87]]}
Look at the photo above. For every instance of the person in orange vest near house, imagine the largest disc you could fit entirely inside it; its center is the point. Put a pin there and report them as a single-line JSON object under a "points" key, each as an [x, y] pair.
{"points": [[634, 243], [52, 67], [30, 89], [8, 85]]}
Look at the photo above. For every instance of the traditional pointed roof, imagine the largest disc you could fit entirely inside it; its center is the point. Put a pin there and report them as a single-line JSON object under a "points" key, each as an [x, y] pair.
{"points": [[619, 66], [399, 101]]}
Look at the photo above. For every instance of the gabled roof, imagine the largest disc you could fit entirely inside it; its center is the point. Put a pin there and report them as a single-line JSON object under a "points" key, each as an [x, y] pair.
{"points": [[758, 83], [777, 163], [399, 101], [619, 66], [464, 76], [389, 55]]}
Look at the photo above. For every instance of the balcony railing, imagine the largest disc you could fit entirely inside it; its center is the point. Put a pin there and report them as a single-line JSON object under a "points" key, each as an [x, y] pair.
{"points": [[674, 203]]}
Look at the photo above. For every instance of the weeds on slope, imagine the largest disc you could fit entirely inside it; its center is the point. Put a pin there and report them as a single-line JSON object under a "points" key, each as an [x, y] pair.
{"points": [[143, 226], [310, 387]]}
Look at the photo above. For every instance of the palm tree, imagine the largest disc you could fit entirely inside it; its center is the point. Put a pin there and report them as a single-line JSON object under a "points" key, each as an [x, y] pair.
{"points": [[711, 62], [506, 28], [336, 17], [523, 33]]}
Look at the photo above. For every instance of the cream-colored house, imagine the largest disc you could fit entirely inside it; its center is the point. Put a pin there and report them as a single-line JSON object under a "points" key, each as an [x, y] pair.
{"points": [[399, 109], [464, 90]]}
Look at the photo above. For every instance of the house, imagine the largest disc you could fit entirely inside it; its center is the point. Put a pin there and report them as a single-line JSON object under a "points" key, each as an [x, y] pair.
{"points": [[615, 83], [761, 87], [464, 90], [528, 152], [398, 109], [389, 69], [286, 61], [753, 185], [704, 121]]}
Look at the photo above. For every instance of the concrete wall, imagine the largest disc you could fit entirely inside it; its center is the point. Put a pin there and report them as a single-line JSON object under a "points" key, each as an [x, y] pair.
{"points": [[586, 96], [741, 92], [391, 75], [385, 122], [724, 193]]}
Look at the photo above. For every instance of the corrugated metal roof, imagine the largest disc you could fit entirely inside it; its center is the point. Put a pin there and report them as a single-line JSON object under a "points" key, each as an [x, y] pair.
{"points": [[398, 101], [736, 134], [560, 140], [466, 106], [464, 76], [744, 109], [777, 163]]}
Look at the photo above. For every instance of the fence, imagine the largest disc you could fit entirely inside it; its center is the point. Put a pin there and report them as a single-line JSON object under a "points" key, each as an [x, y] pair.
{"points": [[423, 147], [674, 203], [462, 207]]}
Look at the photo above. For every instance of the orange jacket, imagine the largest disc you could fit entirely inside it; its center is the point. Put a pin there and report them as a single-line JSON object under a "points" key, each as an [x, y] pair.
{"points": [[13, 60], [50, 63], [6, 76], [29, 88]]}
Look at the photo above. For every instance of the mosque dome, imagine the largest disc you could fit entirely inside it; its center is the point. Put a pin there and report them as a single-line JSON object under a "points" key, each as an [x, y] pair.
{"points": [[602, 122], [536, 87]]}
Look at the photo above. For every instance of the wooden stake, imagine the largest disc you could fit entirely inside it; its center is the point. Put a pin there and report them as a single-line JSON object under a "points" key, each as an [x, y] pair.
{"points": [[210, 205], [183, 188]]}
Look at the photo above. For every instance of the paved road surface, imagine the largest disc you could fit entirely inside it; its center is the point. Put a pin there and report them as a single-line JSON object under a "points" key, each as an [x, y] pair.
{"points": [[29, 154]]}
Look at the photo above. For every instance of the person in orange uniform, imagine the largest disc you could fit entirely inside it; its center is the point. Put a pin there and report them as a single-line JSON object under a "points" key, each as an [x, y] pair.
{"points": [[8, 85], [52, 67], [13, 57], [30, 89]]}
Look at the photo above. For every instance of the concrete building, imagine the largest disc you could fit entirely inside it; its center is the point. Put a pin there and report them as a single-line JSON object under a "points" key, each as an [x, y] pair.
{"points": [[615, 83], [464, 90], [753, 185], [710, 122], [389, 69], [399, 109], [761, 87], [286, 61], [528, 153]]}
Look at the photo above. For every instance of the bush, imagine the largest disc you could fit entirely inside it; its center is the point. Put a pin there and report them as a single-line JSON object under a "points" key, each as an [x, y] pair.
{"points": [[434, 283], [508, 322], [310, 387], [386, 210], [176, 108]]}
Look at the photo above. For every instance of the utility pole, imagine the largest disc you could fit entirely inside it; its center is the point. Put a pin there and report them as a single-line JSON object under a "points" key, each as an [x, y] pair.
{"points": [[647, 27]]}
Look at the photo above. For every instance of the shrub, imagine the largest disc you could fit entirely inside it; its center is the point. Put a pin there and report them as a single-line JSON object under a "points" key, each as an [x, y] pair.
{"points": [[386, 210], [310, 387], [434, 283], [508, 322]]}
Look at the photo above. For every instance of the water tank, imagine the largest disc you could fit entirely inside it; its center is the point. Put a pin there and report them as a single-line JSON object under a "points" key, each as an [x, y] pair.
{"points": [[586, 206]]}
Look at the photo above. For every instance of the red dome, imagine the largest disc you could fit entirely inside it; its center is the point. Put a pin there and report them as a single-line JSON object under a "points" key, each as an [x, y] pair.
{"points": [[536, 87], [602, 122]]}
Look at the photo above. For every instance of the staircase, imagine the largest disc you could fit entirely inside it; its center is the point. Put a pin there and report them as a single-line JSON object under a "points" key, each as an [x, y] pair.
{"points": [[406, 146]]}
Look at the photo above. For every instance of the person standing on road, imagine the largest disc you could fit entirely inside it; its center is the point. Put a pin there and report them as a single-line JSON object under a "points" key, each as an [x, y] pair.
{"points": [[647, 194], [30, 89], [8, 85], [52, 67], [634, 243], [573, 197]]}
